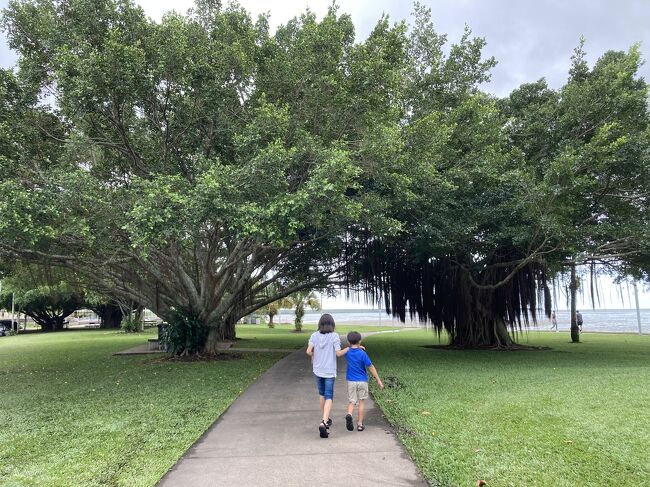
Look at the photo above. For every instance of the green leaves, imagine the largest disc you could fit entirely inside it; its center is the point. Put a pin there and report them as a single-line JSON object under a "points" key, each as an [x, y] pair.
{"points": [[584, 146], [190, 162]]}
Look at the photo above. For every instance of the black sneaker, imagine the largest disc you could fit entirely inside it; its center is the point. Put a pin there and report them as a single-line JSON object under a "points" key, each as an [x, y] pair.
{"points": [[329, 423], [322, 428], [348, 422]]}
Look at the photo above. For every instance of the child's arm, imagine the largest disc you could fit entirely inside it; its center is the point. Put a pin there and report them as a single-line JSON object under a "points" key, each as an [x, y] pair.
{"points": [[373, 371], [310, 350], [337, 347], [343, 351]]}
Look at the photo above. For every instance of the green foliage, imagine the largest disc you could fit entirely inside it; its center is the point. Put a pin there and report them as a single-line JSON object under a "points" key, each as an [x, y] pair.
{"points": [[131, 324], [300, 300], [191, 143], [510, 191], [48, 304], [185, 334], [273, 308], [586, 145], [194, 162]]}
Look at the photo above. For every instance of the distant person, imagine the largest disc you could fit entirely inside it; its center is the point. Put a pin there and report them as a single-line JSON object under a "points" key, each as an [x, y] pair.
{"points": [[324, 346], [579, 320], [554, 321], [357, 378]]}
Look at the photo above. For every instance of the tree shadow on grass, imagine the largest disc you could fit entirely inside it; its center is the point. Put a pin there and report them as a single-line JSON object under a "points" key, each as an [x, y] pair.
{"points": [[511, 348]]}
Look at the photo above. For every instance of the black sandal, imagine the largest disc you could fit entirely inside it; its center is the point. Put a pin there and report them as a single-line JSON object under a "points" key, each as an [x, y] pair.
{"points": [[322, 428], [360, 427], [329, 423], [348, 422]]}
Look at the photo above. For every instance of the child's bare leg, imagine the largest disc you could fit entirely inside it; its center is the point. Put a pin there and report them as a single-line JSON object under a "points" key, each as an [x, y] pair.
{"points": [[322, 403], [361, 408], [350, 408], [327, 407]]}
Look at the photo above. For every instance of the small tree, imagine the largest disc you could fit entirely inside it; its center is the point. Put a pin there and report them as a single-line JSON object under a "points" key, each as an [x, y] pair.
{"points": [[272, 309], [301, 299], [132, 321]]}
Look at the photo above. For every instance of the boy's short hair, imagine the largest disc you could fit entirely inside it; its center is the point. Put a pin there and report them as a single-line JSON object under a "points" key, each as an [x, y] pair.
{"points": [[354, 337], [326, 323]]}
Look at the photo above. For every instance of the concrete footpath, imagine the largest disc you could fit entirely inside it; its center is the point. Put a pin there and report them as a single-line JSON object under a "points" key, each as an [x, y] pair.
{"points": [[269, 437]]}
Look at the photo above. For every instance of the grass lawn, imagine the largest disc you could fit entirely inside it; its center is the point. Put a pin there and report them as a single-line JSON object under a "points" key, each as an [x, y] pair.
{"points": [[74, 415], [577, 415]]}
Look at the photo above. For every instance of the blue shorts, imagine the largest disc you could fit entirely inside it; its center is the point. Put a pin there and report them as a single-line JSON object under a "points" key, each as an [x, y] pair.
{"points": [[325, 386]]}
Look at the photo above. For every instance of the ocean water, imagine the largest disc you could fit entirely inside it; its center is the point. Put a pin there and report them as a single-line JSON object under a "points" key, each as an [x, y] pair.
{"points": [[599, 320]]}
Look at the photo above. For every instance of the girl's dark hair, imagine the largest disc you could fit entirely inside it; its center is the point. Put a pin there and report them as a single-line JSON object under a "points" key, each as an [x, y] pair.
{"points": [[326, 324]]}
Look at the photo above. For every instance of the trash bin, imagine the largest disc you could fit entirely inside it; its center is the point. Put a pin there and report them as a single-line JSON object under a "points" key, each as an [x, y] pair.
{"points": [[162, 342]]}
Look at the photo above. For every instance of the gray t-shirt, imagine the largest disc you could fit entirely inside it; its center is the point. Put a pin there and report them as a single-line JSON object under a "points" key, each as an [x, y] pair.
{"points": [[325, 347]]}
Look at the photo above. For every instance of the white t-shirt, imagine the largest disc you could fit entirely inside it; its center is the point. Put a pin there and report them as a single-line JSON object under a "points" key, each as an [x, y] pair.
{"points": [[325, 347]]}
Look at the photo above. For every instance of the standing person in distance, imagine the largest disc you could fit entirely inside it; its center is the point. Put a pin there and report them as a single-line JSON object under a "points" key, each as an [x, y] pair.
{"points": [[554, 321], [579, 320], [324, 346]]}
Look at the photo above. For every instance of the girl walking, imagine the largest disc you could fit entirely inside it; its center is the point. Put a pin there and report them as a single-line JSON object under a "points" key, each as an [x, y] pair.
{"points": [[324, 346]]}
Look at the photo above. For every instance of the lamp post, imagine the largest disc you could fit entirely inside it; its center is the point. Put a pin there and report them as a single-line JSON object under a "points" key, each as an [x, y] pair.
{"points": [[13, 309], [636, 300]]}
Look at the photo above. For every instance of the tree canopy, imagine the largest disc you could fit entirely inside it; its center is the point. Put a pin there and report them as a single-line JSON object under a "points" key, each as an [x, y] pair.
{"points": [[46, 299], [206, 165]]}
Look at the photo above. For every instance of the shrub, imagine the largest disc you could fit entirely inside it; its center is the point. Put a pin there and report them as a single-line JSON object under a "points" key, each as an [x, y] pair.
{"points": [[184, 334], [131, 324]]}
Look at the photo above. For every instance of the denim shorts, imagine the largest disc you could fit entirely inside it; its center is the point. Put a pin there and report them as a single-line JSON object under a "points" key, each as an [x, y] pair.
{"points": [[325, 386]]}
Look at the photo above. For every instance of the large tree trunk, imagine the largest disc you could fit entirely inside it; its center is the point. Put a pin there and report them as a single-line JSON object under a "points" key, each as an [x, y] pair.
{"points": [[227, 330], [573, 288], [220, 333], [212, 342], [481, 330], [478, 319], [138, 317], [54, 323], [110, 315], [216, 302]]}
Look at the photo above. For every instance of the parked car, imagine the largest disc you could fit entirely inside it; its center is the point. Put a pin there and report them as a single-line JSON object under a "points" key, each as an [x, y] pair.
{"points": [[6, 326]]}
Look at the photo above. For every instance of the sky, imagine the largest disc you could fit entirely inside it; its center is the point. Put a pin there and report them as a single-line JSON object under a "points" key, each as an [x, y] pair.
{"points": [[611, 296], [530, 39]]}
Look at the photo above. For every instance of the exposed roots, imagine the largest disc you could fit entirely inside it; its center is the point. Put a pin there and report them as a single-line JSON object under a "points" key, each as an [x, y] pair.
{"points": [[202, 357], [513, 347]]}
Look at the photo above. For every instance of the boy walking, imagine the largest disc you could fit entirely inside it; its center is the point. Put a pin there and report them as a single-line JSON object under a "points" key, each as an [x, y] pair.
{"points": [[357, 378]]}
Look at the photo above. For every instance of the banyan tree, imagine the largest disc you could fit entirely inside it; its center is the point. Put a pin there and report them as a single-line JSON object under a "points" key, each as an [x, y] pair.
{"points": [[476, 308], [204, 166], [509, 194]]}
